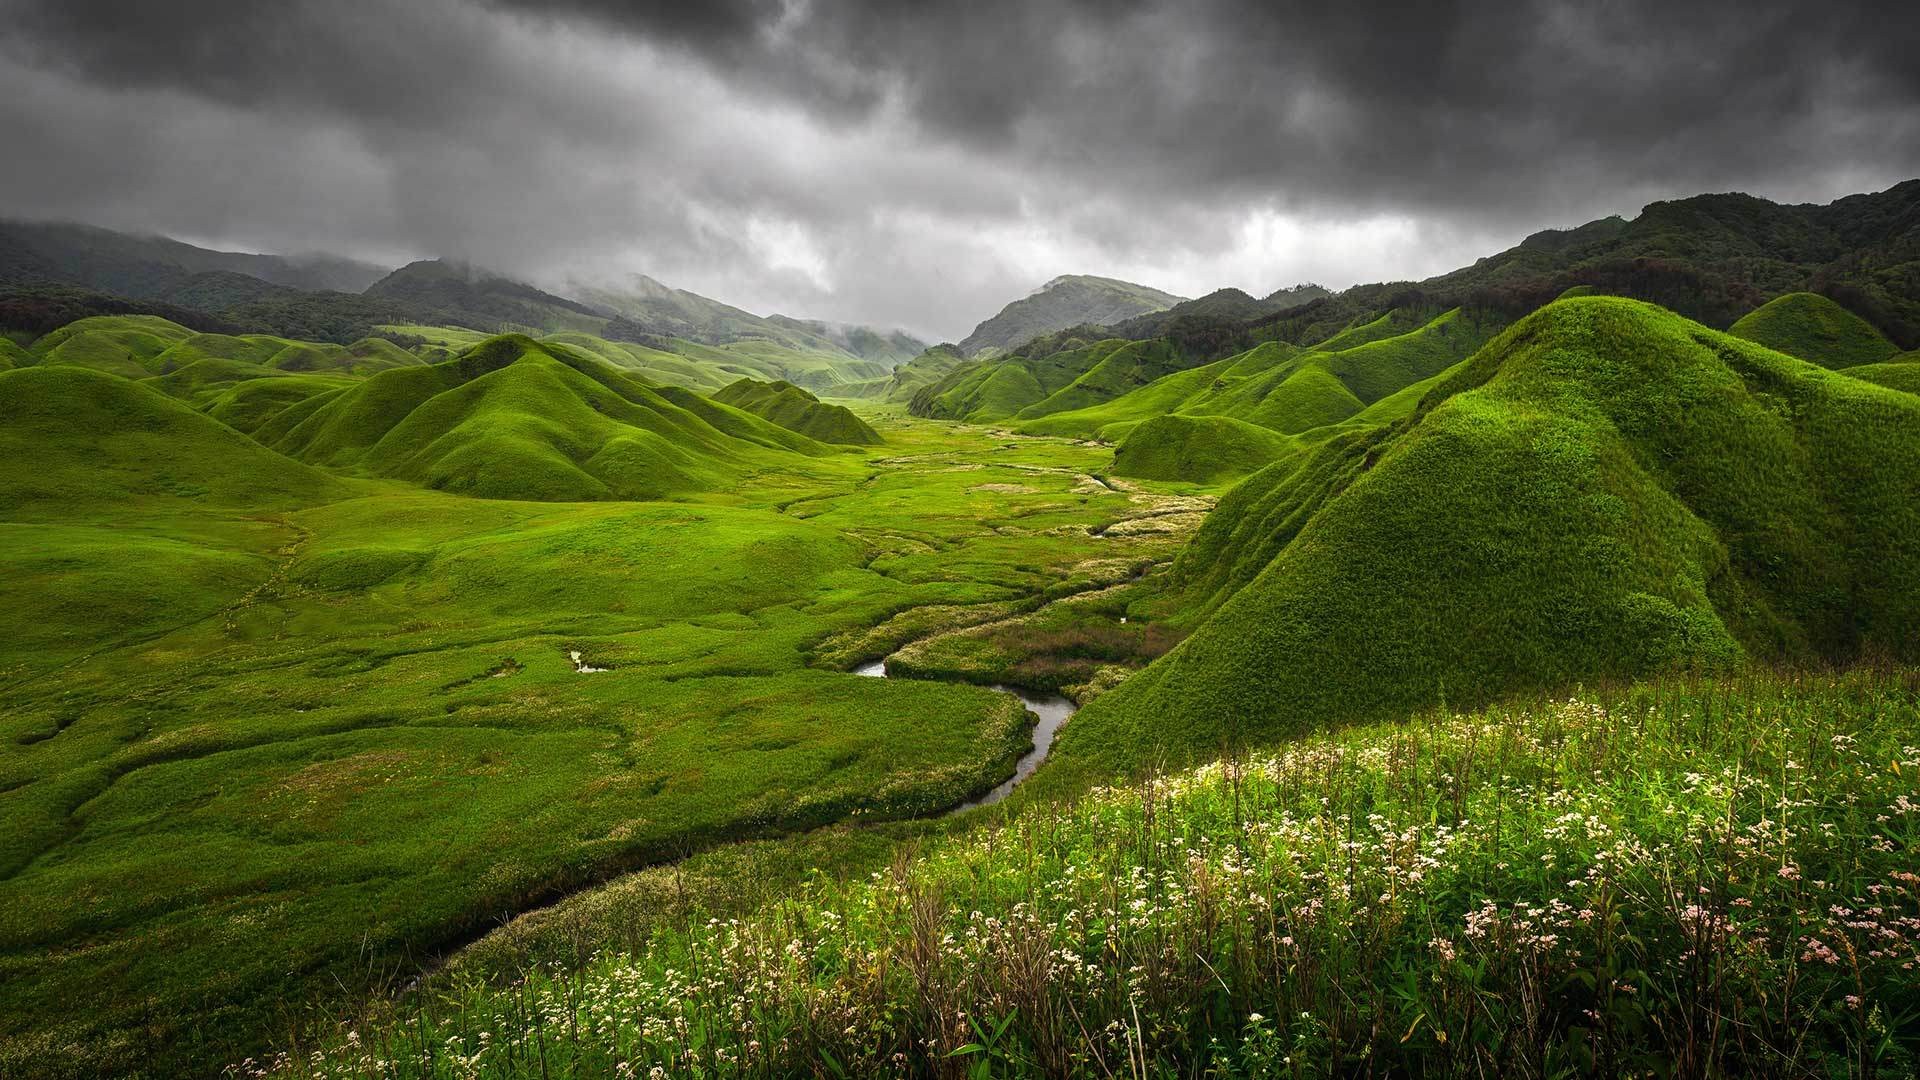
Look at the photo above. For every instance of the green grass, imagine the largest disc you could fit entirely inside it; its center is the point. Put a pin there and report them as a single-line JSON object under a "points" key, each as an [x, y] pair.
{"points": [[76, 439], [1198, 449], [127, 345], [1605, 490], [1715, 877], [278, 727], [1900, 373], [288, 734], [796, 410], [511, 418], [1276, 386], [1816, 330]]}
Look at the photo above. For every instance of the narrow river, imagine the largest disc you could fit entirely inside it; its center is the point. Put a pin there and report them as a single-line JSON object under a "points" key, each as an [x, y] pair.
{"points": [[1052, 709]]}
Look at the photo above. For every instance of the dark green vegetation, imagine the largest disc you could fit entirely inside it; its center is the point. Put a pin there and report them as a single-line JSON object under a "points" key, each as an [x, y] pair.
{"points": [[1071, 300], [1603, 491], [796, 410], [1816, 330], [1713, 879]]}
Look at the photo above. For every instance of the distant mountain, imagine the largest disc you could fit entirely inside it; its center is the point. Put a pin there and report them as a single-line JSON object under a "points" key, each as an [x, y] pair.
{"points": [[155, 267], [481, 299], [1068, 301], [889, 347], [662, 311], [646, 309]]}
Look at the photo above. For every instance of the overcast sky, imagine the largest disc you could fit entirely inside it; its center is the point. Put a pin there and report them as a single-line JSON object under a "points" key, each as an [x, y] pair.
{"points": [[921, 164]]}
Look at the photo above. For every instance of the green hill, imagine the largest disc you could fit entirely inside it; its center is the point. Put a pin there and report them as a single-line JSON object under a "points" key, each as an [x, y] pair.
{"points": [[1901, 372], [796, 410], [1068, 301], [75, 438], [1816, 330], [1605, 490], [1000, 387], [1198, 449], [922, 371], [514, 419], [127, 345], [1276, 385]]}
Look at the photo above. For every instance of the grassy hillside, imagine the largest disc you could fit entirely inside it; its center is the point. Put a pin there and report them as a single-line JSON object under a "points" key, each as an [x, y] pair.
{"points": [[1816, 330], [1599, 886], [1605, 490], [1901, 372], [74, 438], [1000, 387], [1278, 386], [127, 345], [1072, 300], [796, 410], [1198, 449], [923, 370], [511, 418]]}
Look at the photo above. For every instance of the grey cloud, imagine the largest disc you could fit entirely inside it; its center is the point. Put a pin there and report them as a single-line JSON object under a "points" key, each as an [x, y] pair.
{"points": [[932, 160]]}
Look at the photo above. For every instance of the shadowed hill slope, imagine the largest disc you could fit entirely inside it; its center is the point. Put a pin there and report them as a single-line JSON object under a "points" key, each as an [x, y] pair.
{"points": [[1605, 490], [514, 419], [796, 410], [1816, 330]]}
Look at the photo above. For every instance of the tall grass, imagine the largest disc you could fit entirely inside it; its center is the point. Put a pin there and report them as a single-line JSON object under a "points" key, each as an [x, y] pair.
{"points": [[1685, 879]]}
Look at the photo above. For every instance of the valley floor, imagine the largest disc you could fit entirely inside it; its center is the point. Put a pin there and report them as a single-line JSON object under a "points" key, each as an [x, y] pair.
{"points": [[264, 759]]}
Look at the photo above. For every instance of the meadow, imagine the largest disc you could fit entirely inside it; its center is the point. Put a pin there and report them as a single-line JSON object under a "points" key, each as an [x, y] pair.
{"points": [[278, 737], [485, 706], [1678, 877]]}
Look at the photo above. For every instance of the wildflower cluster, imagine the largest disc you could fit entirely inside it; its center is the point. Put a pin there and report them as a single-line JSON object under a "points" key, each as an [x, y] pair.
{"points": [[1687, 880]]}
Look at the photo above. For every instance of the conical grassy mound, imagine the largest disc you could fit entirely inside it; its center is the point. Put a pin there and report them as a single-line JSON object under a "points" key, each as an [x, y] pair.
{"points": [[1198, 449], [514, 419], [797, 410], [72, 437], [1605, 490], [1816, 330]]}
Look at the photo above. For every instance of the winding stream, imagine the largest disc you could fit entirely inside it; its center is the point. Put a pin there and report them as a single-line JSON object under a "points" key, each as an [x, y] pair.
{"points": [[1052, 709]]}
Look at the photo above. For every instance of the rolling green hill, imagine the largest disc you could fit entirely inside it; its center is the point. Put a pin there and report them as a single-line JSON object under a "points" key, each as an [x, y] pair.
{"points": [[127, 345], [512, 418], [74, 438], [1816, 330], [796, 410], [1068, 301], [1274, 385], [1198, 449], [1898, 373], [1606, 490]]}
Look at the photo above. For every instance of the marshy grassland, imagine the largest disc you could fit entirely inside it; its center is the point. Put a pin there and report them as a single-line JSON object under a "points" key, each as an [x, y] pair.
{"points": [[287, 736]]}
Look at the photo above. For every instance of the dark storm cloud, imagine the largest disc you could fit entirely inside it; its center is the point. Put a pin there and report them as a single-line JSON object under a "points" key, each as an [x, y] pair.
{"points": [[921, 163]]}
